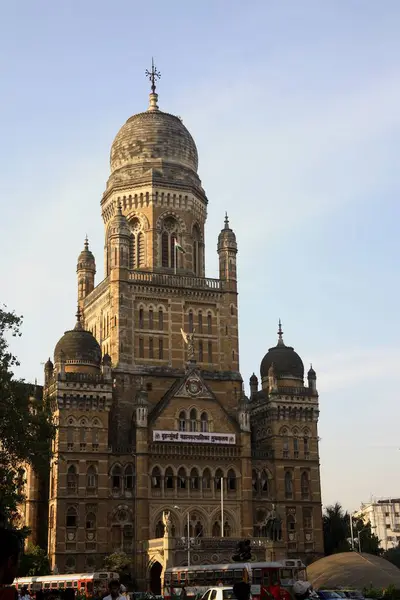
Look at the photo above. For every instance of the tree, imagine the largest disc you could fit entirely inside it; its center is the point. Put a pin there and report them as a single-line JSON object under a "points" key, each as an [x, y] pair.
{"points": [[34, 562], [336, 527], [26, 427], [369, 542], [119, 562], [337, 535]]}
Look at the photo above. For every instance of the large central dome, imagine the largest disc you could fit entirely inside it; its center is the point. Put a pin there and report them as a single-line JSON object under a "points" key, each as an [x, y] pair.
{"points": [[153, 136]]}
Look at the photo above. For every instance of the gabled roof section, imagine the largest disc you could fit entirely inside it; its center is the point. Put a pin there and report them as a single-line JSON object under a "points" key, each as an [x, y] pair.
{"points": [[193, 387]]}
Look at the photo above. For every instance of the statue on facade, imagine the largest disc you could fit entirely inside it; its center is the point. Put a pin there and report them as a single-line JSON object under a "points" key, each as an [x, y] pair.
{"points": [[273, 525], [272, 381], [167, 522], [188, 338]]}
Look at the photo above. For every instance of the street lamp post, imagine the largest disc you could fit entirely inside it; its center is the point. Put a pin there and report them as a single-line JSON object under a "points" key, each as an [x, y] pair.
{"points": [[351, 531]]}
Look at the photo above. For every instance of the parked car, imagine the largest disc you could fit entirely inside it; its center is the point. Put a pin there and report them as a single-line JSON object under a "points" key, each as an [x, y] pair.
{"points": [[222, 592]]}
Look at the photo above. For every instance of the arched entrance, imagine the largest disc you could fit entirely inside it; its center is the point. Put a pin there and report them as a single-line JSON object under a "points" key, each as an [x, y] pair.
{"points": [[155, 578]]}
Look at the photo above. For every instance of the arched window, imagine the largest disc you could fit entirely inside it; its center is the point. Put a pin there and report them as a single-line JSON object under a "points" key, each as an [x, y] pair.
{"points": [[209, 323], [90, 521], [290, 525], [305, 486], [254, 481], [70, 438], [288, 485], [116, 477], [198, 529], [307, 518], [306, 447], [200, 322], [231, 480], [206, 479], [141, 318], [193, 420], [168, 236], [95, 436], [285, 447], [264, 483], [296, 447], [182, 479], [136, 245], [72, 479], [160, 319], [129, 477], [204, 422], [194, 479], [218, 479], [82, 434], [210, 353], [151, 348], [201, 358], [151, 318], [156, 478], [196, 250], [227, 529], [159, 532], [71, 517], [91, 478], [182, 421], [190, 321], [169, 479]]}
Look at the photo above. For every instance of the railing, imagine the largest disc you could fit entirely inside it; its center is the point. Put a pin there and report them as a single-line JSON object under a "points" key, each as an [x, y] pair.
{"points": [[206, 450], [176, 281], [228, 543]]}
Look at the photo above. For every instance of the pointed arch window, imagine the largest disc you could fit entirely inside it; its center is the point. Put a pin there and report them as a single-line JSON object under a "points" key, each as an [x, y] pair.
{"points": [[201, 358], [206, 479], [160, 319], [156, 478], [182, 479], [72, 479], [169, 234], [136, 245], [204, 422], [91, 521], [194, 479], [141, 318], [295, 447], [169, 479], [305, 486], [190, 318], [306, 447], [254, 481], [216, 529], [218, 479], [116, 477], [209, 323], [70, 438], [288, 485], [307, 518], [182, 421], [160, 348], [231, 480], [200, 322], [91, 478], [193, 420], [151, 318], [264, 483], [210, 352], [129, 478], [151, 348]]}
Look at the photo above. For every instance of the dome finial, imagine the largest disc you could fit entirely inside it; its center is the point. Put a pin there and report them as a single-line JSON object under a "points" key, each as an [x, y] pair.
{"points": [[86, 243], [226, 221], [280, 334], [119, 207], [78, 315], [153, 75]]}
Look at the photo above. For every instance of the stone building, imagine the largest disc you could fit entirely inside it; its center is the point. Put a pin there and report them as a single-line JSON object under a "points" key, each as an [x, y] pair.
{"points": [[147, 392]]}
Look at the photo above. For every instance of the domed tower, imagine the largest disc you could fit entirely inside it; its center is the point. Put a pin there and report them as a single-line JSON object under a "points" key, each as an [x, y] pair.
{"points": [[281, 364], [154, 165], [118, 245], [227, 251], [86, 271], [77, 351]]}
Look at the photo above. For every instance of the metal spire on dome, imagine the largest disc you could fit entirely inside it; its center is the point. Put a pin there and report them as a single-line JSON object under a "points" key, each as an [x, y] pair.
{"points": [[86, 243], [78, 315], [226, 221], [153, 75], [280, 334]]}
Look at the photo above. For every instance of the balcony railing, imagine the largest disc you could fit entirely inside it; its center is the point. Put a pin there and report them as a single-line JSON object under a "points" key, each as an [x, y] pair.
{"points": [[175, 281]]}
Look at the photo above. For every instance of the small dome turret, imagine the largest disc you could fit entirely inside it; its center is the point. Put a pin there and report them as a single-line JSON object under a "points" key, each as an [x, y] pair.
{"points": [[311, 374], [78, 349], [227, 237], [86, 259], [286, 363]]}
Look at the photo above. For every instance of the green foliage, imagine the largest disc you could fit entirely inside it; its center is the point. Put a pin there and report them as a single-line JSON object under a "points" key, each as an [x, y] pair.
{"points": [[374, 593], [391, 593], [336, 529], [118, 562], [34, 562], [26, 427], [393, 556], [337, 536]]}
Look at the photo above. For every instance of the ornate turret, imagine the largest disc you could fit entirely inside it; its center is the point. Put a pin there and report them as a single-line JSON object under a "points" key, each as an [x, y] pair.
{"points": [[227, 250], [86, 271], [287, 366], [312, 379], [253, 385], [118, 245], [244, 413]]}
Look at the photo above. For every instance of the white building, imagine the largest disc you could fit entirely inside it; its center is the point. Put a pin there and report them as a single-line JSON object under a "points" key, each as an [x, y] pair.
{"points": [[384, 516]]}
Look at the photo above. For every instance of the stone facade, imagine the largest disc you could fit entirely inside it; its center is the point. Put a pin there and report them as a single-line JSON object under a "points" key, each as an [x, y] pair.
{"points": [[151, 420]]}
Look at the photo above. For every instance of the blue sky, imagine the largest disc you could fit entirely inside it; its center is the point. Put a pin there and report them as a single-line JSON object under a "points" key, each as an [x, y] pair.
{"points": [[294, 107]]}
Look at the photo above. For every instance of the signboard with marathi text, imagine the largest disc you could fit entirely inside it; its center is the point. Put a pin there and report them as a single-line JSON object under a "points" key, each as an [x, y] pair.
{"points": [[194, 437]]}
